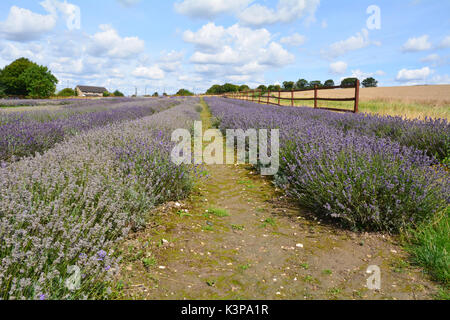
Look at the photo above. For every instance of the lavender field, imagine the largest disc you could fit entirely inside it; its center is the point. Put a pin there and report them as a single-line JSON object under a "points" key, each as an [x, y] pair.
{"points": [[71, 204], [26, 133], [366, 172], [77, 181]]}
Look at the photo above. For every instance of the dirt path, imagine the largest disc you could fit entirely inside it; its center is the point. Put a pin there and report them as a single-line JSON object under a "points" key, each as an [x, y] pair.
{"points": [[237, 238]]}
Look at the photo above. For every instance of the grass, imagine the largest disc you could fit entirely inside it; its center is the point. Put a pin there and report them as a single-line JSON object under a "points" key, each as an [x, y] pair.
{"points": [[221, 213], [429, 247]]}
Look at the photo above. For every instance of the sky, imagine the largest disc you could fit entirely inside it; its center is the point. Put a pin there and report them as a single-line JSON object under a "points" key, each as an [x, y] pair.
{"points": [[153, 45]]}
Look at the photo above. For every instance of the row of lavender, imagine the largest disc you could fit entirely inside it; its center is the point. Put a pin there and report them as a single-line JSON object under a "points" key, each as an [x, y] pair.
{"points": [[27, 133], [350, 168], [430, 135], [71, 205]]}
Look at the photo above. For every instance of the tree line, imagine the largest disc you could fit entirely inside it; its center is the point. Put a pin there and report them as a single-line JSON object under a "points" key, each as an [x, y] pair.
{"points": [[290, 85]]}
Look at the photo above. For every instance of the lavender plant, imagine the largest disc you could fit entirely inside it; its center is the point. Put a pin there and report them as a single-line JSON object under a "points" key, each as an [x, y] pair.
{"points": [[363, 179], [72, 204]]}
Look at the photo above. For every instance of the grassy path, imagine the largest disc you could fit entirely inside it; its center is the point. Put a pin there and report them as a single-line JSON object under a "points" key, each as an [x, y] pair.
{"points": [[237, 238]]}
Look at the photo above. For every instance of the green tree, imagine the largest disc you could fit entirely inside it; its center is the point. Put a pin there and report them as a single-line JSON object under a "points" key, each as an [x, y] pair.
{"points": [[228, 87], [262, 88], [349, 82], [215, 89], [39, 81], [106, 94], [184, 92], [370, 83], [67, 92], [288, 85], [329, 83], [11, 78], [156, 94], [117, 93], [244, 87], [302, 84], [317, 83]]}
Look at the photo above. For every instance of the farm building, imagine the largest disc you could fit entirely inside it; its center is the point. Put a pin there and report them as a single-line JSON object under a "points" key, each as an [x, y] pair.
{"points": [[88, 91]]}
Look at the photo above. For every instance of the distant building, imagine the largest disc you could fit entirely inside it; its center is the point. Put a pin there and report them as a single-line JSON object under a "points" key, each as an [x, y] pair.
{"points": [[88, 91]]}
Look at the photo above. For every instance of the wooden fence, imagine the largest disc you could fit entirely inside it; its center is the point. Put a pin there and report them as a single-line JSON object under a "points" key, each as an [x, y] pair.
{"points": [[260, 96]]}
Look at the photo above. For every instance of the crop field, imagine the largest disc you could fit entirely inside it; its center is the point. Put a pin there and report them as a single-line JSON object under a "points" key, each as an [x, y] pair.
{"points": [[410, 101], [91, 184]]}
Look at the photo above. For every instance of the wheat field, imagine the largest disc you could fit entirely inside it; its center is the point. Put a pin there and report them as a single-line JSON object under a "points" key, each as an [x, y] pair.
{"points": [[407, 101]]}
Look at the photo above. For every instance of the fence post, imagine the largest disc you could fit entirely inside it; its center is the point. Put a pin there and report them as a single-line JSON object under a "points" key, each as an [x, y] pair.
{"points": [[315, 96], [356, 96], [268, 97], [259, 97], [292, 98], [279, 97]]}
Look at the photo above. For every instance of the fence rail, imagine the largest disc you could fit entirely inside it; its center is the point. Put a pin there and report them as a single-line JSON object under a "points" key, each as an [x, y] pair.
{"points": [[265, 97]]}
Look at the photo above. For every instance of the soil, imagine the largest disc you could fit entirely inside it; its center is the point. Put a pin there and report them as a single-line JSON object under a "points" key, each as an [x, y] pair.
{"points": [[236, 237]]}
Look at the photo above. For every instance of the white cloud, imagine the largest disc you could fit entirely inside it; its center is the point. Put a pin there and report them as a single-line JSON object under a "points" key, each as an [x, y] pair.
{"points": [[364, 75], [209, 37], [235, 51], [417, 44], [129, 3], [153, 73], [294, 40], [359, 41], [431, 58], [209, 8], [406, 75], [445, 43], [69, 11], [25, 25], [286, 11], [171, 61], [107, 42], [324, 24], [338, 67]]}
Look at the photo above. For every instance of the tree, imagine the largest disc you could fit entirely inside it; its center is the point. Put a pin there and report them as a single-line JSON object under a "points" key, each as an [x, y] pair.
{"points": [[302, 84], [106, 94], [156, 94], [317, 83], [262, 88], [288, 85], [184, 92], [349, 82], [117, 93], [39, 81], [67, 92], [228, 87], [329, 83], [370, 83], [244, 87], [11, 77]]}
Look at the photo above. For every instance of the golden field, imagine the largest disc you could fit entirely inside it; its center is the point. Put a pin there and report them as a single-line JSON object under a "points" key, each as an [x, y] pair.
{"points": [[407, 101]]}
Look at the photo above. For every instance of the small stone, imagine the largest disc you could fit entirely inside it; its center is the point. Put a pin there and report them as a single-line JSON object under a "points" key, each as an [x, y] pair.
{"points": [[299, 245], [162, 267], [177, 204]]}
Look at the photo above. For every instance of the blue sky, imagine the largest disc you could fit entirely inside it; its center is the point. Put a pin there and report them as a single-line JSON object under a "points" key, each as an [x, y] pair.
{"points": [[157, 45]]}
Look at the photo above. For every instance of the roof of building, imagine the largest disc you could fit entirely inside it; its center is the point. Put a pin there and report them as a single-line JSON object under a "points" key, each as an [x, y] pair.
{"points": [[92, 89]]}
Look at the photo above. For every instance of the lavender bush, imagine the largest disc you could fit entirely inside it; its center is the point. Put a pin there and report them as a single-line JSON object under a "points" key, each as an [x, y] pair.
{"points": [[71, 205], [24, 134], [430, 135], [363, 181]]}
